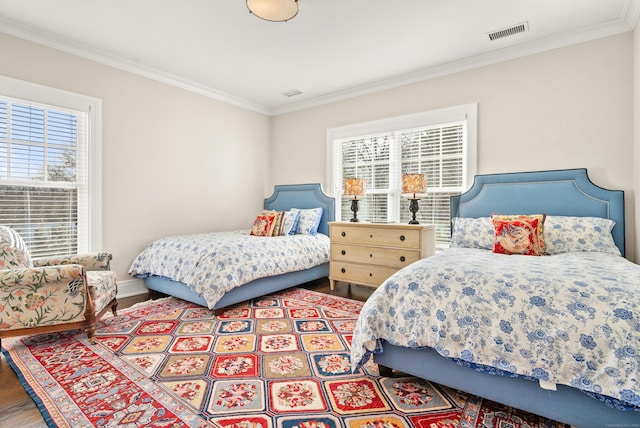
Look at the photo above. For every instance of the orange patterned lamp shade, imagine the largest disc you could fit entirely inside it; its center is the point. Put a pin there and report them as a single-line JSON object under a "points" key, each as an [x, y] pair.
{"points": [[354, 187], [414, 184]]}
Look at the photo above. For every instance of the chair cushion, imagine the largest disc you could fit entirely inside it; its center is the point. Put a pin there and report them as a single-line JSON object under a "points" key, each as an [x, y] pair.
{"points": [[13, 251], [102, 287]]}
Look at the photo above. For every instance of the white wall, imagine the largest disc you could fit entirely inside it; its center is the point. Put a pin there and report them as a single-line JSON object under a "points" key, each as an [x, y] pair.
{"points": [[636, 130], [566, 108], [173, 161]]}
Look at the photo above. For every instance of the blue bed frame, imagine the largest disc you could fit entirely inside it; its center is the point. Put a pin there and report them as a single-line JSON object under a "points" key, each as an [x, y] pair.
{"points": [[284, 197], [561, 192]]}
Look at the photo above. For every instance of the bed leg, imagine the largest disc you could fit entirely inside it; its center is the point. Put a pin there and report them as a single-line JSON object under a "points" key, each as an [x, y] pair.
{"points": [[385, 371]]}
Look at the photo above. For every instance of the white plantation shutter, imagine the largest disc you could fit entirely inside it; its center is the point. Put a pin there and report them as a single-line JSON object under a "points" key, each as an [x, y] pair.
{"points": [[441, 149], [437, 152], [45, 173], [367, 158]]}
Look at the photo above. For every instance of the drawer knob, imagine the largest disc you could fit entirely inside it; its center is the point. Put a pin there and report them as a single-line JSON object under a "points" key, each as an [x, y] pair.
{"points": [[370, 274], [371, 236], [402, 258], [344, 233], [343, 252], [371, 255], [402, 238], [343, 270]]}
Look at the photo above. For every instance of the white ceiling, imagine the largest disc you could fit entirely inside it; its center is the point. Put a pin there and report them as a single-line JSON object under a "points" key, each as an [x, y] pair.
{"points": [[332, 50]]}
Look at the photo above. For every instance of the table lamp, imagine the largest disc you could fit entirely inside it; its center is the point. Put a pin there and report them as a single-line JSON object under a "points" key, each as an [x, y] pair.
{"points": [[354, 187], [414, 186]]}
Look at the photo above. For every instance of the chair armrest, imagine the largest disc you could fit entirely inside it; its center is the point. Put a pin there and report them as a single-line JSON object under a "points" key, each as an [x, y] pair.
{"points": [[93, 261], [33, 297]]}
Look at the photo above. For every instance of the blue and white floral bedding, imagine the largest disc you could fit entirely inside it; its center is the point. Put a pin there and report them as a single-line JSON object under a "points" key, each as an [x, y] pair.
{"points": [[571, 318], [213, 263]]}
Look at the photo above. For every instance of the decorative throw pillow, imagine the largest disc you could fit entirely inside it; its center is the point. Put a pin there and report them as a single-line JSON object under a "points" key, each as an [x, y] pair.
{"points": [[309, 221], [289, 222], [470, 232], [565, 234], [541, 221], [518, 234], [263, 225], [277, 225], [13, 251]]}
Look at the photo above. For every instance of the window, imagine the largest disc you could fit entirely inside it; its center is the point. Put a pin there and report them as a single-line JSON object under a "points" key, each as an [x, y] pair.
{"points": [[440, 144], [50, 168]]}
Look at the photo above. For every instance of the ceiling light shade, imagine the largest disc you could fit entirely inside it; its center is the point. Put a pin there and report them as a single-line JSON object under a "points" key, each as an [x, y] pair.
{"points": [[273, 10]]}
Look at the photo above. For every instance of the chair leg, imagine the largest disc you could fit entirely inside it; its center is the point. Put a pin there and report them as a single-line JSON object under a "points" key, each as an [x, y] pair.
{"points": [[114, 308], [91, 331]]}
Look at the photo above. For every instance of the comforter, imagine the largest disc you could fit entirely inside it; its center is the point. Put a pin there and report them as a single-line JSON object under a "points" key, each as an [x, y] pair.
{"points": [[213, 263], [571, 318]]}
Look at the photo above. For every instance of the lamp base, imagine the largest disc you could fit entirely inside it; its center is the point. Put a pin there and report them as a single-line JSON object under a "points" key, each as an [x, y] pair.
{"points": [[354, 208], [413, 207]]}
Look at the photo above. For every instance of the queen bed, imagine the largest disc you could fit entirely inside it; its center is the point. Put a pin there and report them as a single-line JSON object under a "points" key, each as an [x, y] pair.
{"points": [[224, 268], [557, 334]]}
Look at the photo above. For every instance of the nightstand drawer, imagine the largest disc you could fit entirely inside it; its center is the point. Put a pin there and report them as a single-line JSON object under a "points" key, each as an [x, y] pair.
{"points": [[405, 238], [360, 274], [394, 257], [369, 253]]}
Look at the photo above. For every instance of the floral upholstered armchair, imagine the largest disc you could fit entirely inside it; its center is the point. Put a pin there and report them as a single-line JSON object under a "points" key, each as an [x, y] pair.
{"points": [[54, 294]]}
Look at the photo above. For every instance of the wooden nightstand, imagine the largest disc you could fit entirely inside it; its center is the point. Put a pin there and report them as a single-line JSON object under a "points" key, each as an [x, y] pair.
{"points": [[369, 253]]}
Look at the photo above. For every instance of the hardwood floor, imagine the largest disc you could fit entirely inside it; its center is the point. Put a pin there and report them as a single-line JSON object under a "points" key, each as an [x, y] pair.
{"points": [[18, 409]]}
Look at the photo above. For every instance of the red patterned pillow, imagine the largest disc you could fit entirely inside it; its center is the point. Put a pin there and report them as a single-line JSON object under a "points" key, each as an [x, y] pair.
{"points": [[519, 234], [263, 225]]}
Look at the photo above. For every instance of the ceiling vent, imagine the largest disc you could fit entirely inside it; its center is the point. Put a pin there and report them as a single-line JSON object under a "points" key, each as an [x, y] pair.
{"points": [[510, 31], [292, 93]]}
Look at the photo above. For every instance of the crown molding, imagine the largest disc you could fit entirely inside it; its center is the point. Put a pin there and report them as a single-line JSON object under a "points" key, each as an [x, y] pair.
{"points": [[626, 22], [464, 64], [631, 12], [123, 64]]}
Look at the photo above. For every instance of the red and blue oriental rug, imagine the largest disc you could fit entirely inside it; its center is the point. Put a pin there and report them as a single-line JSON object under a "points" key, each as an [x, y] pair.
{"points": [[281, 361]]}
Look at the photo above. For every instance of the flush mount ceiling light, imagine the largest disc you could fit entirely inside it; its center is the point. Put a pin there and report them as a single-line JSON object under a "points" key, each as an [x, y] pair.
{"points": [[273, 10]]}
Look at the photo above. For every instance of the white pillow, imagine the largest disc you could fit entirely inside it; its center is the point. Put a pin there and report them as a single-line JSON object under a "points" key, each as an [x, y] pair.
{"points": [[309, 221], [566, 234], [289, 222], [472, 233]]}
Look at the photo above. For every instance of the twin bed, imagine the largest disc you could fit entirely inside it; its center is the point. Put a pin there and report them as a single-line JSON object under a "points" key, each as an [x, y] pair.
{"points": [[224, 268], [557, 335]]}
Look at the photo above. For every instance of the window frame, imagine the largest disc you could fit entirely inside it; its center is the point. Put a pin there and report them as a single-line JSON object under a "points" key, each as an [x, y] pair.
{"points": [[466, 113], [90, 236]]}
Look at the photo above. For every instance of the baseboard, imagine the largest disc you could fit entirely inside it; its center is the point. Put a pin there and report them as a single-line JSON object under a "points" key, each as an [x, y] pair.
{"points": [[132, 287]]}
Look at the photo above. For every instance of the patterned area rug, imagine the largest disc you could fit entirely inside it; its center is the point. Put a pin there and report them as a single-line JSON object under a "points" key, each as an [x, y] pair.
{"points": [[281, 361]]}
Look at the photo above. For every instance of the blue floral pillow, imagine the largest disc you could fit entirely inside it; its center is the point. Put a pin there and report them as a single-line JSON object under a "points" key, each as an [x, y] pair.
{"points": [[289, 222], [472, 233], [565, 234], [309, 221]]}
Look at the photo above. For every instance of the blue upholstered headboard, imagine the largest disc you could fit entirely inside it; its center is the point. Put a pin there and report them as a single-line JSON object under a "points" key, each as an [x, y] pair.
{"points": [[567, 192], [286, 196]]}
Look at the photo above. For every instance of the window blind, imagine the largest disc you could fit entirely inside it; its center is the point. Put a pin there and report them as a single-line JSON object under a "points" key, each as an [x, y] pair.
{"points": [[437, 150], [43, 175]]}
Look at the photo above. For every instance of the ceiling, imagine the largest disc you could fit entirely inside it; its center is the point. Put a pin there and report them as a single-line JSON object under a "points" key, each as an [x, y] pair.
{"points": [[333, 49]]}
